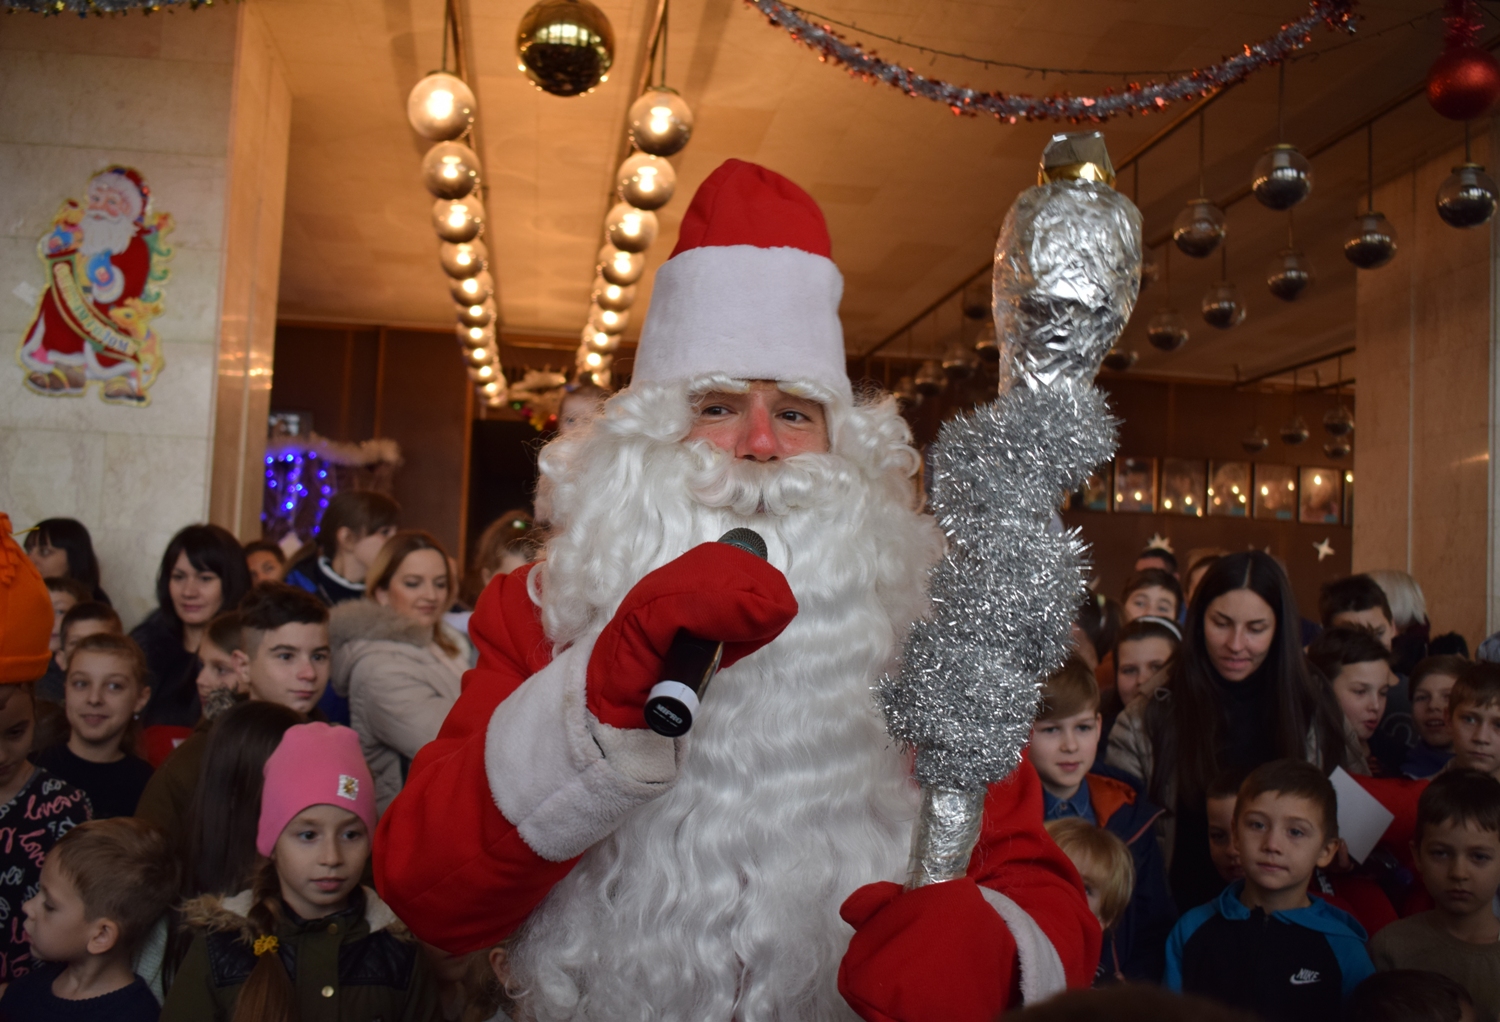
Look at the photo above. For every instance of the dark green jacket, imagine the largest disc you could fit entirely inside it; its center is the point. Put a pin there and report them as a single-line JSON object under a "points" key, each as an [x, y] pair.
{"points": [[360, 965]]}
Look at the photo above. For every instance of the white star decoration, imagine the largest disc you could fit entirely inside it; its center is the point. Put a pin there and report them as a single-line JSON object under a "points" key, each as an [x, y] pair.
{"points": [[1324, 549], [1159, 542]]}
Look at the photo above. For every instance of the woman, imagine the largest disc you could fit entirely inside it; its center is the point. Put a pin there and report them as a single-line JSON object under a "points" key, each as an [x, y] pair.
{"points": [[202, 572], [1240, 694], [63, 548], [395, 660]]}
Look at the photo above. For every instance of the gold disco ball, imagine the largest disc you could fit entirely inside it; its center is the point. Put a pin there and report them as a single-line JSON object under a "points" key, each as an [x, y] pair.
{"points": [[566, 46]]}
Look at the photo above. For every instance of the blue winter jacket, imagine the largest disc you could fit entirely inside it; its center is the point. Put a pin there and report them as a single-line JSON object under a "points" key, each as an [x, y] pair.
{"points": [[1137, 950]]}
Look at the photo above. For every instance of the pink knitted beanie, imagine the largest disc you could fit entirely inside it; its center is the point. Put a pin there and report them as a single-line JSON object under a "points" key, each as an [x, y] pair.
{"points": [[315, 764]]}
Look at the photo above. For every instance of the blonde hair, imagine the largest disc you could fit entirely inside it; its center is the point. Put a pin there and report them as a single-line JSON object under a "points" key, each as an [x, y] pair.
{"points": [[383, 571], [1080, 839], [1408, 605]]}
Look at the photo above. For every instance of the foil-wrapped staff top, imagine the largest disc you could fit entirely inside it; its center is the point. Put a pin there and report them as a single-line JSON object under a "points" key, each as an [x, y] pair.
{"points": [[1067, 268]]}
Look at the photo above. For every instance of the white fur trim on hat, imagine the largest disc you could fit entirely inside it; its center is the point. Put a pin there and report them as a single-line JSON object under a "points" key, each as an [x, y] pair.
{"points": [[746, 312]]}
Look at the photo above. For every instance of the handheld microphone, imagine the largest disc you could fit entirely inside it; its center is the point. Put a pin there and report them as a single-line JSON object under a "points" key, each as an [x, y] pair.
{"points": [[690, 662]]}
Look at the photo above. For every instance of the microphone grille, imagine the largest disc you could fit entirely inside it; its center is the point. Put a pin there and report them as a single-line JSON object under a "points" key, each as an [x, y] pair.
{"points": [[747, 540]]}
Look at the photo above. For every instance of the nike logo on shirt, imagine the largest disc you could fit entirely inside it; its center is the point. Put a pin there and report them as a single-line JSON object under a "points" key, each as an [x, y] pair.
{"points": [[1302, 977]]}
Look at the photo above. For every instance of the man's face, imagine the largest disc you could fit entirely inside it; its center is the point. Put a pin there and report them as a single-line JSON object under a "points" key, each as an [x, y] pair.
{"points": [[1460, 866], [762, 424], [1063, 750], [290, 666], [1221, 839], [1476, 736], [1373, 620], [1429, 707], [1280, 841]]}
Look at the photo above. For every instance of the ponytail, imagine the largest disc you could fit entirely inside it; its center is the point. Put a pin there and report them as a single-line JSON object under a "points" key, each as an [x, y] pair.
{"points": [[268, 995]]}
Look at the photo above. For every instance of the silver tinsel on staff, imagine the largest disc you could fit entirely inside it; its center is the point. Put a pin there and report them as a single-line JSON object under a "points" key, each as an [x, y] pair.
{"points": [[1067, 271]]}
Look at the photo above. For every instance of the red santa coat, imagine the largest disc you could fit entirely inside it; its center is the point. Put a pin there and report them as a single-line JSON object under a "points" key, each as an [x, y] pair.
{"points": [[60, 334], [463, 876]]}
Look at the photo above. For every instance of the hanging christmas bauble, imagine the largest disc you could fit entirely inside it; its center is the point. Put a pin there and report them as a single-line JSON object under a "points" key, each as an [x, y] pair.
{"points": [[1463, 83], [930, 378], [491, 389], [1371, 242], [482, 314], [1337, 449], [1119, 359], [630, 229], [598, 340], [1255, 440], [1282, 177], [959, 362], [1295, 431], [485, 373], [1289, 274], [596, 360], [463, 260], [450, 170], [458, 220], [481, 356], [646, 181], [985, 345], [1467, 197], [978, 299], [620, 267], [473, 290], [612, 296], [660, 122], [1339, 422], [1223, 307], [1150, 268], [607, 320], [440, 107], [1166, 331], [1199, 228], [566, 46], [475, 336], [906, 392]]}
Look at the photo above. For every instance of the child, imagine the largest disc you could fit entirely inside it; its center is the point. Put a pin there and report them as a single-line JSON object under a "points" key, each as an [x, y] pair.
{"points": [[1143, 653], [353, 958], [106, 690], [266, 561], [1357, 670], [1064, 744], [1430, 686], [1457, 849], [1411, 995], [1357, 601], [1263, 945], [84, 619], [102, 889], [1474, 718], [1108, 873], [226, 665], [1221, 797], [1151, 591], [66, 593]]}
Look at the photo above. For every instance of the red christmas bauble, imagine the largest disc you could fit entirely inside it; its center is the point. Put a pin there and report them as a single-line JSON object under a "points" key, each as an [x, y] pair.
{"points": [[1463, 83]]}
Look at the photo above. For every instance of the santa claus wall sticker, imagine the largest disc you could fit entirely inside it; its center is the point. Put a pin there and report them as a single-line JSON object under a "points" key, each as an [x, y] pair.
{"points": [[105, 262]]}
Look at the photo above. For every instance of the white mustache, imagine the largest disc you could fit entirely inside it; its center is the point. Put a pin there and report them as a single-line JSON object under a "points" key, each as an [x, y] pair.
{"points": [[762, 487]]}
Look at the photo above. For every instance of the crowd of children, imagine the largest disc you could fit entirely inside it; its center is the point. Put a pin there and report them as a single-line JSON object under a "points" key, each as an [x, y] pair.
{"points": [[186, 814]]}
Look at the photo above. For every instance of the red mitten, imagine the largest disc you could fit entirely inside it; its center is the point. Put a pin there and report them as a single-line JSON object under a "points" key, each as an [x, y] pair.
{"points": [[715, 591], [939, 953]]}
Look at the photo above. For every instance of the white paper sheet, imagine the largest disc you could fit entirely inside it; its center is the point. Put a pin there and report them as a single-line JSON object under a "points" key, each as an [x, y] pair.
{"points": [[1362, 819]]}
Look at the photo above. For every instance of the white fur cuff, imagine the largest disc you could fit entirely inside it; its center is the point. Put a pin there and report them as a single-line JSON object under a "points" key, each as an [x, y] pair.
{"points": [[1042, 972], [564, 779]]}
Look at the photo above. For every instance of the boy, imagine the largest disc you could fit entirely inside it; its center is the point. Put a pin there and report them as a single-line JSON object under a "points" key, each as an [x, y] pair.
{"points": [[1222, 794], [84, 619], [1357, 601], [1409, 995], [1263, 945], [1108, 872], [226, 665], [102, 889], [106, 689], [1064, 745], [1431, 687], [65, 594], [1457, 850], [1474, 719], [266, 561]]}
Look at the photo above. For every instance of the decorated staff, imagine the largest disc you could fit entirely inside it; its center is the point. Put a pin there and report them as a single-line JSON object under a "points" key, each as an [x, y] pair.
{"points": [[1067, 272]]}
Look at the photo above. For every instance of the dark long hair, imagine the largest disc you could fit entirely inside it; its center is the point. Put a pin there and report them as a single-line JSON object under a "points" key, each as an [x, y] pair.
{"points": [[72, 537], [208, 548], [267, 994], [1187, 727], [225, 811]]}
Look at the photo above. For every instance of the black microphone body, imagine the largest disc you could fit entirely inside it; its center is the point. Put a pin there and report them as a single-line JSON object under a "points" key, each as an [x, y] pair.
{"points": [[690, 662]]}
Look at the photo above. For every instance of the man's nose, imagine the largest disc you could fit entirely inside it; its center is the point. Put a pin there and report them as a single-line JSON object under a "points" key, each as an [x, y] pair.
{"points": [[758, 443]]}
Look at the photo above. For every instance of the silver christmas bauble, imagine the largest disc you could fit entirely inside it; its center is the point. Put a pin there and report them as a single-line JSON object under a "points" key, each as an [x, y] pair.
{"points": [[485, 373], [481, 356], [620, 267], [1371, 242], [978, 299], [906, 392], [473, 290], [1150, 268], [458, 220], [1282, 177], [660, 122], [482, 314], [612, 296], [566, 46], [1166, 331], [440, 107], [959, 361], [1295, 431], [607, 320], [475, 336], [450, 170], [630, 229], [1337, 449], [1223, 307], [463, 260], [1198, 229], [1255, 441], [1289, 274], [1338, 422], [985, 345], [930, 379], [646, 181], [1119, 359], [598, 340], [1467, 197]]}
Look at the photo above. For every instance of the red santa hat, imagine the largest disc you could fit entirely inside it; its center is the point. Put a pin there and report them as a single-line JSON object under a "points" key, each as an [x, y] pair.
{"points": [[750, 291]]}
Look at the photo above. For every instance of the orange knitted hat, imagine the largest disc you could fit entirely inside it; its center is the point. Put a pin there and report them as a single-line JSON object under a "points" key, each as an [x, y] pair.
{"points": [[25, 613]]}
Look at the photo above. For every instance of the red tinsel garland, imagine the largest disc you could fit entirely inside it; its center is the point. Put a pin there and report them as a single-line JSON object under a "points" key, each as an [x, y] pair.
{"points": [[1135, 97]]}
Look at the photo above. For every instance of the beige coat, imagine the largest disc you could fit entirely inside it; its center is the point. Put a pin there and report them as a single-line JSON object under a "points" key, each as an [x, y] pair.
{"points": [[399, 684]]}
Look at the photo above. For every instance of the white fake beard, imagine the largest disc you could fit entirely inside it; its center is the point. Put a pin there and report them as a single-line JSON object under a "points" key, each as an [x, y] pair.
{"points": [[719, 900], [103, 233]]}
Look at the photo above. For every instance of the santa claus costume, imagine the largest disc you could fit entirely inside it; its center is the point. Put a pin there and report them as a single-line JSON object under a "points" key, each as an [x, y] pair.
{"points": [[749, 870]]}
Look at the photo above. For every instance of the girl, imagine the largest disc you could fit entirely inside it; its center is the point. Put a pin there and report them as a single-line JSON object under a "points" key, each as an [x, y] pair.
{"points": [[63, 548], [1240, 694], [394, 658], [202, 572], [506, 543], [351, 957], [104, 691], [1149, 592], [1142, 656], [1356, 667]]}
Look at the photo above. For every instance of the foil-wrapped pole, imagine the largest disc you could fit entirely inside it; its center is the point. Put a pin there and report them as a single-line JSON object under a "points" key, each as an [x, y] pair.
{"points": [[1067, 272]]}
